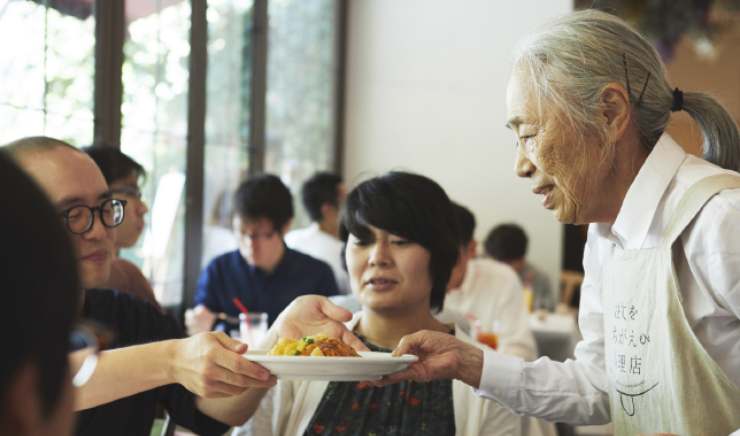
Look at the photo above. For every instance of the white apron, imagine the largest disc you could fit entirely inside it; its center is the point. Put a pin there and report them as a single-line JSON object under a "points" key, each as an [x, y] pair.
{"points": [[660, 377]]}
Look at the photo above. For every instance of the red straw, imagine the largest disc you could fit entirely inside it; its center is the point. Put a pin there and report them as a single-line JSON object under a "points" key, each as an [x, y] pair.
{"points": [[242, 308]]}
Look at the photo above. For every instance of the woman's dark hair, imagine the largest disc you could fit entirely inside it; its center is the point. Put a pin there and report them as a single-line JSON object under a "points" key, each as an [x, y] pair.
{"points": [[264, 196], [113, 163], [41, 289], [413, 207], [506, 242]]}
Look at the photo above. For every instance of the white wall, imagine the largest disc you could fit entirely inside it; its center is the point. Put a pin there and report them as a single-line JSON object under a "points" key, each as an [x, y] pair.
{"points": [[426, 84]]}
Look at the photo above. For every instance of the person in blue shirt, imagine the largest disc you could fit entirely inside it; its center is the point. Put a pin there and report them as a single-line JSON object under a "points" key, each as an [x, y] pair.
{"points": [[264, 274]]}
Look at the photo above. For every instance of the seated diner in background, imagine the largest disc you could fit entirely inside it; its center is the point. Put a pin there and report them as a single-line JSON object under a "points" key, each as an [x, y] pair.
{"points": [[264, 275], [323, 195], [489, 294], [507, 243], [123, 175]]}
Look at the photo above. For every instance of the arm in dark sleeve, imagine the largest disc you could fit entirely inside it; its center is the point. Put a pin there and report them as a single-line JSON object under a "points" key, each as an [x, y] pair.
{"points": [[133, 321], [151, 325], [180, 404], [209, 288]]}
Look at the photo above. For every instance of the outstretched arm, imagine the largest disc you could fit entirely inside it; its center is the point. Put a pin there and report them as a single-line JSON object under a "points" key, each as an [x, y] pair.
{"points": [[208, 364], [574, 391], [306, 315], [441, 356]]}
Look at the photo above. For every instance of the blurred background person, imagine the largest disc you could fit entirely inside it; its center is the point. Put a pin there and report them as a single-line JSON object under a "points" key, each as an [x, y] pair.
{"points": [[322, 195], [263, 274], [123, 176], [508, 243], [489, 293], [41, 299]]}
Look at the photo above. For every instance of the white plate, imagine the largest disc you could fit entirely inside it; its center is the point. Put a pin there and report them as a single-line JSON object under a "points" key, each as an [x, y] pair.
{"points": [[369, 366]]}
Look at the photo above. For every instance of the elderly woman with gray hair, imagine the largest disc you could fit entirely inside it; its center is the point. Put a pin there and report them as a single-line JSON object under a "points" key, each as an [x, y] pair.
{"points": [[588, 102]]}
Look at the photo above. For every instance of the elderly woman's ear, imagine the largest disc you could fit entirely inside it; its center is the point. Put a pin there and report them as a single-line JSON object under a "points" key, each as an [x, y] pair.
{"points": [[616, 111]]}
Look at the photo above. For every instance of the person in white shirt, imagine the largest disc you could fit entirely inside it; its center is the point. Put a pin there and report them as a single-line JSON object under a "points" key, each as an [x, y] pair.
{"points": [[508, 243], [490, 293], [588, 101], [323, 195]]}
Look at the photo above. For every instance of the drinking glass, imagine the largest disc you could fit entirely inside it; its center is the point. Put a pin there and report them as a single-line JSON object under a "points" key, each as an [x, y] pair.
{"points": [[252, 327]]}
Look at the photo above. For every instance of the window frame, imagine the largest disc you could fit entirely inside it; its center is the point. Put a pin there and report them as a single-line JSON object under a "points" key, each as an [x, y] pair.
{"points": [[108, 93]]}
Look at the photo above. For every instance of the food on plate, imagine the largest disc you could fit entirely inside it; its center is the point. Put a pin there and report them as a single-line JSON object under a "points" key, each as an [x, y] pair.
{"points": [[318, 345]]}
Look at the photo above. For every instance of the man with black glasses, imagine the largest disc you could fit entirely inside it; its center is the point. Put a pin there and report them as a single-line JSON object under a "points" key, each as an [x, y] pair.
{"points": [[130, 380]]}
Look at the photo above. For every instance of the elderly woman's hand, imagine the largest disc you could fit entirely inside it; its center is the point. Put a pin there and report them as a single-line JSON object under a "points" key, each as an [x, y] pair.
{"points": [[314, 314], [441, 356]]}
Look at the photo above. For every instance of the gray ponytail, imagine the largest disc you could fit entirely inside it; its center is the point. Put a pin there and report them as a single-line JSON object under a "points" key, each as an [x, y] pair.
{"points": [[573, 58], [721, 137]]}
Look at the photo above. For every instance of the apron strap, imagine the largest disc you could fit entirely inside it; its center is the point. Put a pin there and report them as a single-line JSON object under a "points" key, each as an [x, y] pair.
{"points": [[694, 200]]}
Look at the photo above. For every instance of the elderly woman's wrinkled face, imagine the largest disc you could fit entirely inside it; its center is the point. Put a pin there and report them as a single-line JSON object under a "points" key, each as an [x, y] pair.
{"points": [[566, 170]]}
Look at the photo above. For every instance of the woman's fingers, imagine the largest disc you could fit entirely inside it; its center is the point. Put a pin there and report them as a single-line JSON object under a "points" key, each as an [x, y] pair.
{"points": [[353, 341], [332, 311]]}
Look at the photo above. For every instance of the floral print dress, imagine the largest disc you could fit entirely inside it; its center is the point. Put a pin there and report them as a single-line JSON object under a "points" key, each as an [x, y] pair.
{"points": [[406, 408]]}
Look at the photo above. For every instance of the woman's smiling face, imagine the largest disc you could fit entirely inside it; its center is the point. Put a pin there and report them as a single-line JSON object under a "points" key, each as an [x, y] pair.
{"points": [[567, 169]]}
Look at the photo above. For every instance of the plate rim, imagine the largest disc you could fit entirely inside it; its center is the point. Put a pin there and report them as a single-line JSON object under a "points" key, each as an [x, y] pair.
{"points": [[262, 356]]}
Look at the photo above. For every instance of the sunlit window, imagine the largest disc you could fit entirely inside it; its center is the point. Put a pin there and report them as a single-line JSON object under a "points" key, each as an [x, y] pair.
{"points": [[48, 68], [154, 132], [47, 64], [301, 79], [227, 118]]}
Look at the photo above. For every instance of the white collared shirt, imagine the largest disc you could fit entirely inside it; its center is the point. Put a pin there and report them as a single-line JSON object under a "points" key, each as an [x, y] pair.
{"points": [[708, 270], [313, 241], [492, 293]]}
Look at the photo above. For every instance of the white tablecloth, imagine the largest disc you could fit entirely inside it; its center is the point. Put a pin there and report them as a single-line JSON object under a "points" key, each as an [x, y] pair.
{"points": [[556, 334]]}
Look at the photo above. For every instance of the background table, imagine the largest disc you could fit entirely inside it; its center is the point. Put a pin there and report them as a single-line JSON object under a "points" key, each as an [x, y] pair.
{"points": [[556, 335]]}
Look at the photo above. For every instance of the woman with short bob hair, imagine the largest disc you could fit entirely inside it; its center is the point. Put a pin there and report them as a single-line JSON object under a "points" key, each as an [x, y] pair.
{"points": [[401, 244], [409, 206]]}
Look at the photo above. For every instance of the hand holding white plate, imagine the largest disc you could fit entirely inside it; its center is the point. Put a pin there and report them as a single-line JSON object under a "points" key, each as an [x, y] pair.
{"points": [[370, 365]]}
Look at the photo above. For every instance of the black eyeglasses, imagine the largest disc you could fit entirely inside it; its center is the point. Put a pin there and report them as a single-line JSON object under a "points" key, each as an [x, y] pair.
{"points": [[80, 219]]}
